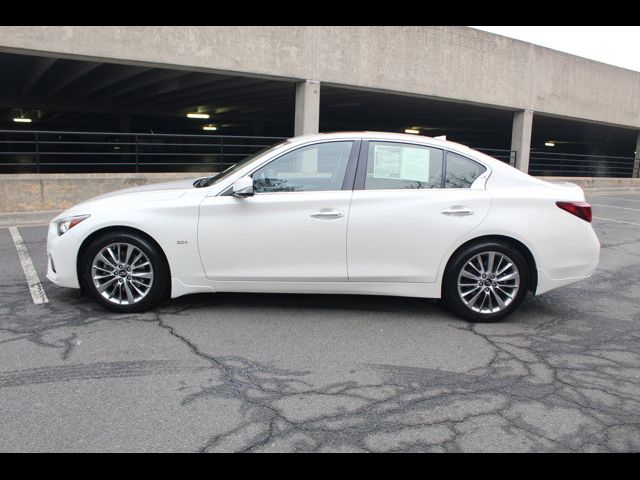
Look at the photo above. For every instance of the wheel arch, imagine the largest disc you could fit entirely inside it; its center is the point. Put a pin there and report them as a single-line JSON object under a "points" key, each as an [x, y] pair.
{"points": [[517, 244], [118, 229]]}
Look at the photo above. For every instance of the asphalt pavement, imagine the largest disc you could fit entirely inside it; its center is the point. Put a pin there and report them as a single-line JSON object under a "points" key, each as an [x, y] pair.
{"points": [[259, 372]]}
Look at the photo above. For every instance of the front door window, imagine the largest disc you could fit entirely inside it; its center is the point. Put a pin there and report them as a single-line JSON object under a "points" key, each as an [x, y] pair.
{"points": [[314, 168]]}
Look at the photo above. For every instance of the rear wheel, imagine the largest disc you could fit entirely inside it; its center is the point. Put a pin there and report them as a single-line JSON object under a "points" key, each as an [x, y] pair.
{"points": [[486, 281], [124, 272]]}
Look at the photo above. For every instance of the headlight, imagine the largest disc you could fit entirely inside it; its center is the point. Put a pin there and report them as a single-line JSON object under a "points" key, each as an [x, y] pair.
{"points": [[66, 224]]}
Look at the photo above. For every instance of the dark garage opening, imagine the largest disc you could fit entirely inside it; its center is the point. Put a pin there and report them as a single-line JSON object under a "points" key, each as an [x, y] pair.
{"points": [[561, 147], [106, 117], [488, 129], [90, 116]]}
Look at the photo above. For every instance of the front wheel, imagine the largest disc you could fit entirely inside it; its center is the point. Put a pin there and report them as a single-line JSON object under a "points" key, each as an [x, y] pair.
{"points": [[486, 281], [124, 272]]}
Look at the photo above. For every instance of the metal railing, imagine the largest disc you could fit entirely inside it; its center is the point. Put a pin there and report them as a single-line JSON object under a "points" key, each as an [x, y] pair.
{"points": [[48, 151], [52, 151], [574, 165], [507, 156]]}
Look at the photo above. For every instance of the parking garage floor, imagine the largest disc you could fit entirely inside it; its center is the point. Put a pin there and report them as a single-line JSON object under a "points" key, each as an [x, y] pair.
{"points": [[249, 372]]}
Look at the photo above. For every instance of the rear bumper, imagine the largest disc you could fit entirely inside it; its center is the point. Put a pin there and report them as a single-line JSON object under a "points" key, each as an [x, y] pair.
{"points": [[546, 282], [568, 261]]}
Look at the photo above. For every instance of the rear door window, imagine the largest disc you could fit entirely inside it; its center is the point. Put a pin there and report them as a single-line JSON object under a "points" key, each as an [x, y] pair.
{"points": [[392, 166]]}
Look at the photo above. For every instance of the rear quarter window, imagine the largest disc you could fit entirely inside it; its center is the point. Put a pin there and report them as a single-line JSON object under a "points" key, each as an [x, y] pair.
{"points": [[461, 172]]}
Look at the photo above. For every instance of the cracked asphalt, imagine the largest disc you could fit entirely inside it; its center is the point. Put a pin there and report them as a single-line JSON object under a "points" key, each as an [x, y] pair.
{"points": [[250, 372]]}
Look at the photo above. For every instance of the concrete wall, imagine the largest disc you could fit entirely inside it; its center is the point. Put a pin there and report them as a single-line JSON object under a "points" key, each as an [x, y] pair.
{"points": [[58, 191], [598, 182], [42, 192], [438, 61]]}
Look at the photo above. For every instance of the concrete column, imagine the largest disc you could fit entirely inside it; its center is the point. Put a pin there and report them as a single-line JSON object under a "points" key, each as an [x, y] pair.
{"points": [[521, 138], [307, 118], [636, 163]]}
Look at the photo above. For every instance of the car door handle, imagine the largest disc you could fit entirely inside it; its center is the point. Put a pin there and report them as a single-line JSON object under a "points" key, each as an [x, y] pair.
{"points": [[457, 211], [329, 213]]}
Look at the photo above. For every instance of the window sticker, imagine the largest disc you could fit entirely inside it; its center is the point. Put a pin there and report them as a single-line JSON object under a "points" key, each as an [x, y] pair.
{"points": [[387, 161], [415, 164], [406, 163]]}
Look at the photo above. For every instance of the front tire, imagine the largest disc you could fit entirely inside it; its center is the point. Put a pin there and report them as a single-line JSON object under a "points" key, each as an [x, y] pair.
{"points": [[486, 282], [124, 272]]}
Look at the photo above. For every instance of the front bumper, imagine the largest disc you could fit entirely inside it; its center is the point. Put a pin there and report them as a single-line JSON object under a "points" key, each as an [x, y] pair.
{"points": [[62, 254]]}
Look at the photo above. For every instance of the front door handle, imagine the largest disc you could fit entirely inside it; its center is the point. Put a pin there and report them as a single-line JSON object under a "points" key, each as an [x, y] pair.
{"points": [[328, 213], [457, 211]]}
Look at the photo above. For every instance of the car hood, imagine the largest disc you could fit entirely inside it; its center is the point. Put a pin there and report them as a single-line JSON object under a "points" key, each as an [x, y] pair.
{"points": [[164, 191]]}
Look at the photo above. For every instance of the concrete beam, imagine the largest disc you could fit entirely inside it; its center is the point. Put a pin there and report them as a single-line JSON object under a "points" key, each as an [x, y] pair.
{"points": [[307, 116], [521, 138]]}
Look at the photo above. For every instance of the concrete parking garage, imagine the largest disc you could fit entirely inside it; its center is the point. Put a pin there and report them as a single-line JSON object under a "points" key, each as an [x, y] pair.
{"points": [[251, 372]]}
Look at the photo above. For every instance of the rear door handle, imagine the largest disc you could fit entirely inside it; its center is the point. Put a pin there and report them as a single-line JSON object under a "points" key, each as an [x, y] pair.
{"points": [[457, 211], [328, 213]]}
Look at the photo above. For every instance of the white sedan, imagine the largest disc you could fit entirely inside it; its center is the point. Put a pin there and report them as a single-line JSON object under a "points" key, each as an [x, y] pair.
{"points": [[356, 212]]}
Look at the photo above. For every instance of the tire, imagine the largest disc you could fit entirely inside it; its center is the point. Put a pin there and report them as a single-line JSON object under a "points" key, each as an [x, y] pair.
{"points": [[497, 297], [118, 289]]}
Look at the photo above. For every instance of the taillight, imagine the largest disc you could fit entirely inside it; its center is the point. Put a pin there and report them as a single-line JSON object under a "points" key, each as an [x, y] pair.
{"points": [[579, 209]]}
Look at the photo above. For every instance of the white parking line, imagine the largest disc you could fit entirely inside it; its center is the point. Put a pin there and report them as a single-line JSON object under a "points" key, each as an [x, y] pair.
{"points": [[35, 287], [613, 206], [617, 221], [618, 199]]}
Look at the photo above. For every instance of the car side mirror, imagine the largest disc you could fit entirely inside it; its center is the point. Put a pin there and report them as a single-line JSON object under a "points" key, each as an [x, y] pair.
{"points": [[243, 187]]}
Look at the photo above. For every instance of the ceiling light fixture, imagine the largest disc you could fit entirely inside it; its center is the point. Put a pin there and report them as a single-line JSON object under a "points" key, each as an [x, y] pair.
{"points": [[22, 120], [210, 127], [549, 144], [412, 131], [197, 115]]}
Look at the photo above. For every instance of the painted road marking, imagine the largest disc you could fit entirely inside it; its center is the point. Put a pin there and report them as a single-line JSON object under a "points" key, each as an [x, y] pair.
{"points": [[619, 199], [613, 206], [617, 221], [35, 287]]}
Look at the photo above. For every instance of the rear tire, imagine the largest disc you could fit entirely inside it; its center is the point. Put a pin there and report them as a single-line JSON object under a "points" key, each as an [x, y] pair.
{"points": [[124, 272], [486, 281]]}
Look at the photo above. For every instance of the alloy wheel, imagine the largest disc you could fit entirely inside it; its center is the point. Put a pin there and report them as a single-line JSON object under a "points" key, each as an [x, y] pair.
{"points": [[488, 282], [122, 273]]}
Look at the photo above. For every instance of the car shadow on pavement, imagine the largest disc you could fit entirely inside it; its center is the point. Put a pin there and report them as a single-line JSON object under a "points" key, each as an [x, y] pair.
{"points": [[319, 302]]}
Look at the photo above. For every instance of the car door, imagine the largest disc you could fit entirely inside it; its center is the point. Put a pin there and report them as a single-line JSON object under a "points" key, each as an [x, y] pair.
{"points": [[293, 228], [407, 211]]}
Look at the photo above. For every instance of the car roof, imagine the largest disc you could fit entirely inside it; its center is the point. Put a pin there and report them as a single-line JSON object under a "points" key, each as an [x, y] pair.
{"points": [[380, 136]]}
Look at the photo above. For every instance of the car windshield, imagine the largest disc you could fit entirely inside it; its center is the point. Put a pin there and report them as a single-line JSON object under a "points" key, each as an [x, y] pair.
{"points": [[208, 181]]}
